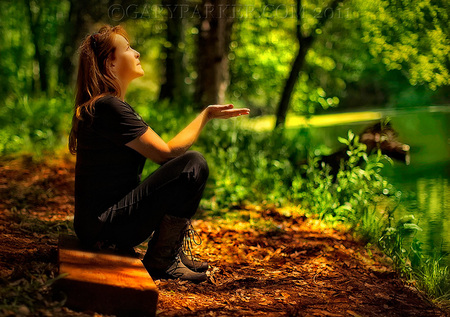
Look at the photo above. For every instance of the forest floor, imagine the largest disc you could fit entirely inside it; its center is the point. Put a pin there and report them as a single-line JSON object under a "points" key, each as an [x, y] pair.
{"points": [[265, 261]]}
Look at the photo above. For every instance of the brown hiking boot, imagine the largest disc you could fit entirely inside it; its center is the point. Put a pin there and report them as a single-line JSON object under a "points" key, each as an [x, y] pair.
{"points": [[163, 259]]}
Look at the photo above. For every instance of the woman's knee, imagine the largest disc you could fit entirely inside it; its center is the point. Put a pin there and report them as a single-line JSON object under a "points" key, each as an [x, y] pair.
{"points": [[196, 167]]}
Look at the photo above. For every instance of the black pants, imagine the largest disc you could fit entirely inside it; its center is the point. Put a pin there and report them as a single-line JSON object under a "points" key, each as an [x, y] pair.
{"points": [[175, 188]]}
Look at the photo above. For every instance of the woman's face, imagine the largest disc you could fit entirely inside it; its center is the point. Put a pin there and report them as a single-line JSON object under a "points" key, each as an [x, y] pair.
{"points": [[126, 65]]}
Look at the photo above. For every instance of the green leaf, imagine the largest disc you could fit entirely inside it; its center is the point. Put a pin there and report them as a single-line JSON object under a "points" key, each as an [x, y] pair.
{"points": [[343, 141], [412, 226]]}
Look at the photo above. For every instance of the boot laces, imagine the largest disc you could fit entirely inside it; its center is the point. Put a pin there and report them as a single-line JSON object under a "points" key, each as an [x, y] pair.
{"points": [[191, 238]]}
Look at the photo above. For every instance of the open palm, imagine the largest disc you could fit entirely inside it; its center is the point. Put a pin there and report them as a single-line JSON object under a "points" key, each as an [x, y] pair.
{"points": [[225, 111]]}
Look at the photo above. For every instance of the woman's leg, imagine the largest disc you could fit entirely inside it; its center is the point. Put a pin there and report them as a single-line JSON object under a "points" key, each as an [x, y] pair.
{"points": [[174, 189]]}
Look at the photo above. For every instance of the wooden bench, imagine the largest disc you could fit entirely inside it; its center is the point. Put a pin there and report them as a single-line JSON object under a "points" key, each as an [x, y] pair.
{"points": [[104, 281]]}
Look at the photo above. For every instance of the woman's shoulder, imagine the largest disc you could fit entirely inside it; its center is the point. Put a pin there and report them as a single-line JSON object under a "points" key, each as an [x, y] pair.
{"points": [[108, 100], [110, 106], [110, 103]]}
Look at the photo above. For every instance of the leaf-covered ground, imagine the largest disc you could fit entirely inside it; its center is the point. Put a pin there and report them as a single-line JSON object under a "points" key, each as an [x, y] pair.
{"points": [[265, 261]]}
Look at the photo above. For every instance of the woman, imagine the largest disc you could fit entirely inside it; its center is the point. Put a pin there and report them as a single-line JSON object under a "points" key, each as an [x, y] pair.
{"points": [[112, 142]]}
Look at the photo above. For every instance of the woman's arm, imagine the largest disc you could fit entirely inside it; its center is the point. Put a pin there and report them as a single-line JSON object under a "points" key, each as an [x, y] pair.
{"points": [[153, 147]]}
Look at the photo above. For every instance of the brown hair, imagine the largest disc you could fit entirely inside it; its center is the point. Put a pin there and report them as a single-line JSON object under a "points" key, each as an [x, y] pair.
{"points": [[94, 78]]}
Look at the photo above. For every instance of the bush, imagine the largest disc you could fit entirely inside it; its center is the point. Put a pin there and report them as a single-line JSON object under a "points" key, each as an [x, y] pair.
{"points": [[34, 125], [247, 166]]}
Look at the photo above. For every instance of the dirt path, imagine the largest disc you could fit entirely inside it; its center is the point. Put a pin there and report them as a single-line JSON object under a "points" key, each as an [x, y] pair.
{"points": [[264, 261]]}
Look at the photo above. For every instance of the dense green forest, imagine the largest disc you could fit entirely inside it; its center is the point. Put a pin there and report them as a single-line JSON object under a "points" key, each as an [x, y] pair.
{"points": [[280, 59]]}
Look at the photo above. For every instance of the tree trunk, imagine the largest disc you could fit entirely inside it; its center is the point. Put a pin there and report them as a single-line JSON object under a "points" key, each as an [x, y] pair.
{"points": [[39, 56], [213, 47], [304, 45], [174, 87], [299, 61], [74, 29]]}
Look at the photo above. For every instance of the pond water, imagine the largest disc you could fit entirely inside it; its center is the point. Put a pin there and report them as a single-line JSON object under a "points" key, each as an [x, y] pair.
{"points": [[425, 182]]}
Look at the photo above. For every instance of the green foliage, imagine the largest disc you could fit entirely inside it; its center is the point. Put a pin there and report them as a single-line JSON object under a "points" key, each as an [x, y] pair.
{"points": [[368, 54], [16, 53], [262, 51], [431, 274], [393, 241], [34, 125], [434, 277], [246, 166], [25, 26], [412, 35], [357, 186]]}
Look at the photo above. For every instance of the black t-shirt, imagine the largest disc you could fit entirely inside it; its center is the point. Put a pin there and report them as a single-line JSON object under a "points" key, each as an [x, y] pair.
{"points": [[106, 169]]}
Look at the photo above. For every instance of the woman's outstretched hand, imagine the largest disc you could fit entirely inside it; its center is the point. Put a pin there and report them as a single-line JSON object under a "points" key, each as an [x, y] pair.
{"points": [[225, 111]]}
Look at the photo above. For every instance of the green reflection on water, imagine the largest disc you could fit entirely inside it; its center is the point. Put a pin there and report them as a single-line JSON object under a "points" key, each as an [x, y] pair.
{"points": [[425, 182]]}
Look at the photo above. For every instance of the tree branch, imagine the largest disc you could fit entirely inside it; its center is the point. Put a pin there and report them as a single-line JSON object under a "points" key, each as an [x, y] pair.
{"points": [[323, 16], [299, 20], [305, 43]]}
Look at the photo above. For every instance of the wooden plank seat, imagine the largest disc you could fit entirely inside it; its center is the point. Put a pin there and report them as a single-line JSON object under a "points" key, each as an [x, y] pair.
{"points": [[104, 281]]}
